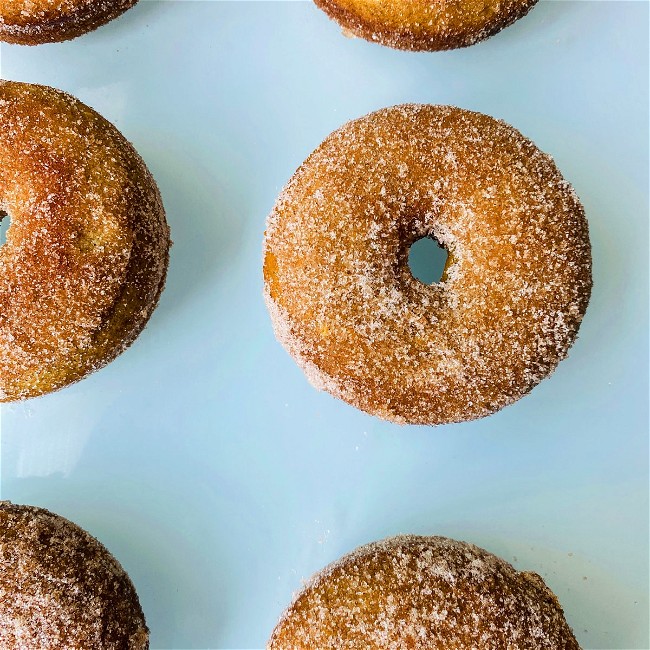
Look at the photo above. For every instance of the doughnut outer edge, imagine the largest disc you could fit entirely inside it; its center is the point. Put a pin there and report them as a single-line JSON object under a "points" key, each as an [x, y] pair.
{"points": [[43, 21], [61, 588], [340, 293], [425, 25], [423, 593], [87, 250]]}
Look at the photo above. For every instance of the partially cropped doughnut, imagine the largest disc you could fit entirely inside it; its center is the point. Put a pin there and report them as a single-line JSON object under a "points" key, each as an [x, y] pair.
{"points": [[423, 593], [342, 298], [60, 588], [86, 252], [425, 24], [31, 22]]}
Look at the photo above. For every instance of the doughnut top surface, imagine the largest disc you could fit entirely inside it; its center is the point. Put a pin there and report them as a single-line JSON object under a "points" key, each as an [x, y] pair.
{"points": [[30, 22], [343, 300], [61, 589], [423, 593], [86, 251], [425, 24]]}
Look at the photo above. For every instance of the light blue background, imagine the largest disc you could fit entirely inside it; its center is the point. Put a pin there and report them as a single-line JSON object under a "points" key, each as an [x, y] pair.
{"points": [[204, 460]]}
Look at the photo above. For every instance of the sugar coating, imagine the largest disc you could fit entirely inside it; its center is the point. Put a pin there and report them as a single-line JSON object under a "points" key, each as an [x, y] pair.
{"points": [[423, 593], [31, 22], [87, 249], [60, 589], [425, 24], [342, 298]]}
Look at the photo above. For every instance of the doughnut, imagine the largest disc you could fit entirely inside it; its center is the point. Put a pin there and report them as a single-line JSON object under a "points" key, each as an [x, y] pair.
{"points": [[60, 588], [345, 305], [425, 24], [31, 22], [423, 593], [87, 247]]}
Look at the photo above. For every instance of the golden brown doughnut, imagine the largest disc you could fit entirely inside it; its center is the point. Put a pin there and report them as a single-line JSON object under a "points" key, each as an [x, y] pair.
{"points": [[423, 593], [425, 24], [87, 248], [61, 589], [342, 298], [30, 22]]}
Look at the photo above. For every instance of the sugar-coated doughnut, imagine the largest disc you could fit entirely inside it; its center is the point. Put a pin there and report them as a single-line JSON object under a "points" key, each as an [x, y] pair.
{"points": [[61, 589], [425, 24], [87, 248], [342, 298], [423, 593], [31, 22]]}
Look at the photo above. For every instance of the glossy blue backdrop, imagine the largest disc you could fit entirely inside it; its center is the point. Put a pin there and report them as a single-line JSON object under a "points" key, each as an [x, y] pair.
{"points": [[204, 460]]}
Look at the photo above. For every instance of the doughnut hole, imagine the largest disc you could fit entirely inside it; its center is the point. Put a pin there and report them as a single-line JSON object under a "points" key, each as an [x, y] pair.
{"points": [[5, 221], [427, 260]]}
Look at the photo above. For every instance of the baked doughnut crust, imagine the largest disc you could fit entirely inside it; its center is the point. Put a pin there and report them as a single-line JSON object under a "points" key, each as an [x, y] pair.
{"points": [[342, 298], [425, 24], [60, 588], [423, 593], [87, 249], [31, 22]]}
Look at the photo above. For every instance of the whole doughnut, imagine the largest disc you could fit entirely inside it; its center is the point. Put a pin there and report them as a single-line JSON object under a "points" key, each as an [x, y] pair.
{"points": [[87, 248], [31, 22], [342, 298], [425, 24], [60, 588], [423, 593]]}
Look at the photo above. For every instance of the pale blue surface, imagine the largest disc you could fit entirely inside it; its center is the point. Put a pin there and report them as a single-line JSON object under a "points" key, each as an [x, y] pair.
{"points": [[204, 460]]}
